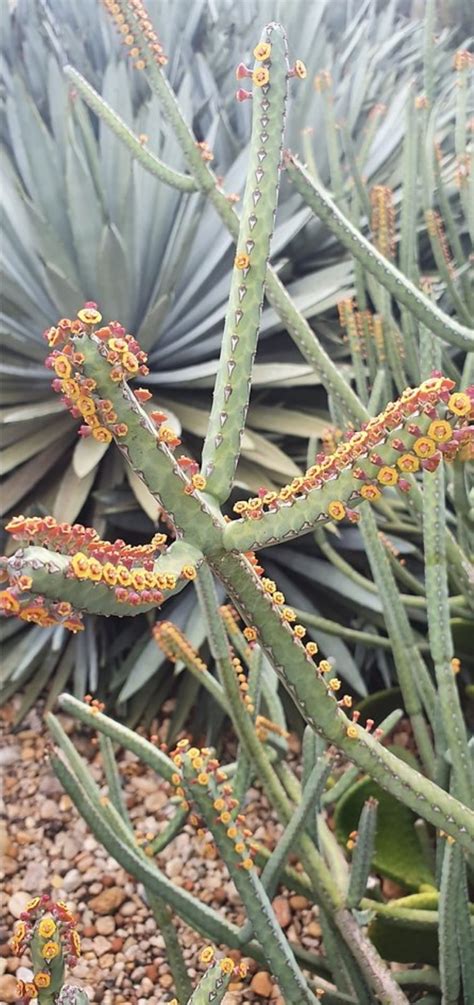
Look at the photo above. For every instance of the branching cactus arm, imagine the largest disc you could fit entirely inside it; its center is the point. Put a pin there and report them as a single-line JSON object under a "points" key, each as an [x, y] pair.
{"points": [[150, 161], [390, 446], [234, 376], [387, 274]]}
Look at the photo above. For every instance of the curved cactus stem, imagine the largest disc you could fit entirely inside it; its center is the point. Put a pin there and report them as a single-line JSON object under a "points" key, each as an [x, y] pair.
{"points": [[152, 163], [151, 458], [309, 504], [51, 577], [310, 693], [234, 375], [387, 274], [257, 905], [211, 988], [147, 752]]}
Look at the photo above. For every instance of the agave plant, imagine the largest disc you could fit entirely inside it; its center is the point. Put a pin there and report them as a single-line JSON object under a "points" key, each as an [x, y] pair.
{"points": [[85, 221]]}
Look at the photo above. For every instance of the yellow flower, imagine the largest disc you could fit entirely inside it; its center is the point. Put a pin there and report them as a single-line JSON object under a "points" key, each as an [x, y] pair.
{"points": [[80, 565], [198, 482], [352, 732], [207, 954], [408, 463], [8, 602], [370, 492], [62, 367], [89, 316], [247, 863], [203, 778], [42, 979], [75, 942], [262, 51], [261, 76], [30, 991], [227, 965], [440, 430], [188, 572], [459, 403], [311, 648], [336, 510], [300, 69], [50, 950], [335, 684], [387, 476], [46, 928], [20, 931], [424, 447], [299, 631], [242, 261], [102, 435]]}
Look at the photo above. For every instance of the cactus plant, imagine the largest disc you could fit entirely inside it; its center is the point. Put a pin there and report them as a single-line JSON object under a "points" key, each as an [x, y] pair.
{"points": [[61, 571], [37, 40]]}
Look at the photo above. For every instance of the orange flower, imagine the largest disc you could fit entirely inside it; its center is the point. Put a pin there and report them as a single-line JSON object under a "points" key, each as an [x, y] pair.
{"points": [[8, 602], [30, 991], [261, 76], [75, 942], [262, 51]]}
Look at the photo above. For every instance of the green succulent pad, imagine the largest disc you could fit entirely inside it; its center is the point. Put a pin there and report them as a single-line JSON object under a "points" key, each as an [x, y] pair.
{"points": [[396, 940], [398, 853], [379, 705]]}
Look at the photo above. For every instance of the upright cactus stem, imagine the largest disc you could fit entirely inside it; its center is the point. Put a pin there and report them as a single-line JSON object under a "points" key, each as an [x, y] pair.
{"points": [[234, 376]]}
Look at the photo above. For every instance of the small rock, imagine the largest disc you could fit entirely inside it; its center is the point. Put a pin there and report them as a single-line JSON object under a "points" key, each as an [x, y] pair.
{"points": [[116, 944], [36, 876], [49, 809], [109, 900], [314, 929], [8, 865], [282, 911], [155, 801], [24, 974], [72, 880], [105, 925], [101, 945], [9, 755], [8, 988], [174, 867], [262, 984], [299, 903], [18, 902], [128, 909]]}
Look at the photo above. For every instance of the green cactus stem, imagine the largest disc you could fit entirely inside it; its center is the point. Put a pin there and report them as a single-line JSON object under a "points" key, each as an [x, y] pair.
{"points": [[69, 581], [234, 376], [318, 706], [358, 469], [203, 793], [213, 985], [363, 849], [152, 163], [384, 271]]}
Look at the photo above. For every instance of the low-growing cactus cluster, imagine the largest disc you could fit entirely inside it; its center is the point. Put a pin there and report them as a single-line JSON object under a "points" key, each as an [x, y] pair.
{"points": [[61, 571]]}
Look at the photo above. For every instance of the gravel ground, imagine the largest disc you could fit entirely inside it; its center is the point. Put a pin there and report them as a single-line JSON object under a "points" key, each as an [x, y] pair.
{"points": [[46, 847]]}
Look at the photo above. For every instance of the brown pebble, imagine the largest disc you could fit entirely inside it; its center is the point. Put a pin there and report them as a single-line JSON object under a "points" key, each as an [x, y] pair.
{"points": [[282, 911], [89, 931], [116, 944], [262, 984], [299, 903], [107, 901]]}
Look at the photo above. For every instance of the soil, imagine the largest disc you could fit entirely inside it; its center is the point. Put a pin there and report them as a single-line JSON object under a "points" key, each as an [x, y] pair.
{"points": [[45, 846]]}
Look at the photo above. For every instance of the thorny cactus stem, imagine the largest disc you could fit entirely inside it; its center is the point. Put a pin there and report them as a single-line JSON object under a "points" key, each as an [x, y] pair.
{"points": [[92, 366], [48, 930]]}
